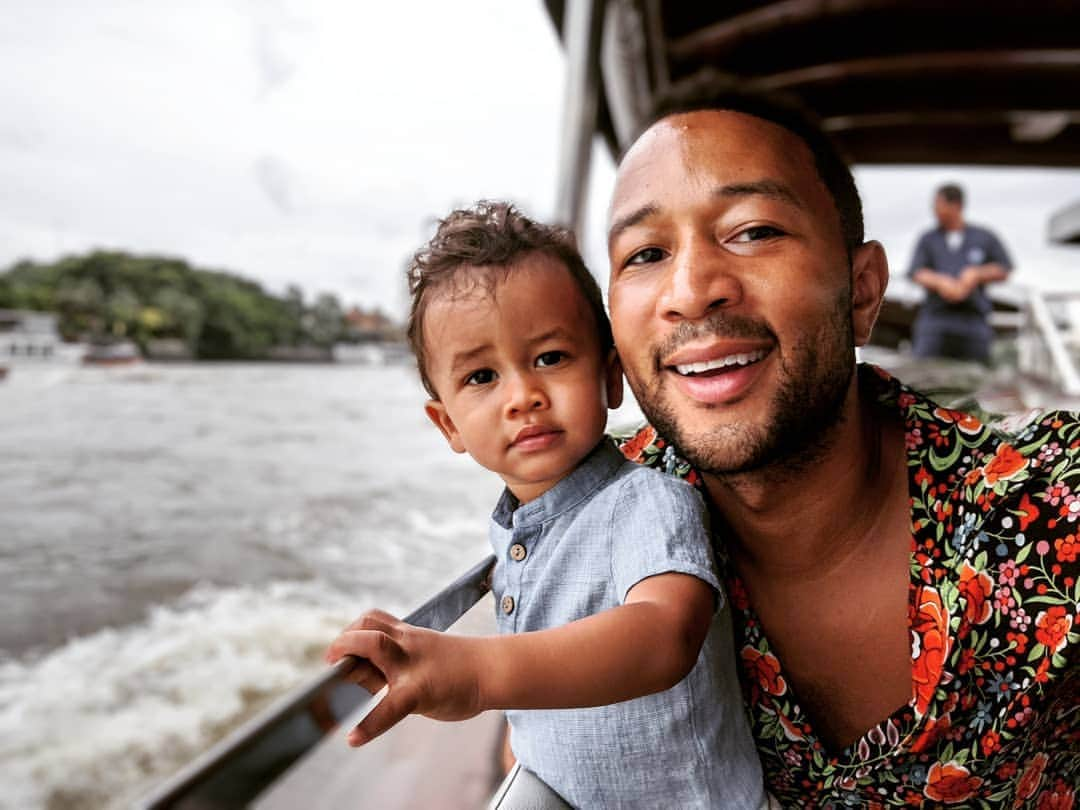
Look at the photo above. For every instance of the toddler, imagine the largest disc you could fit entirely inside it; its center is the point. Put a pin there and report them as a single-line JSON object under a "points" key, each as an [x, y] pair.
{"points": [[614, 661]]}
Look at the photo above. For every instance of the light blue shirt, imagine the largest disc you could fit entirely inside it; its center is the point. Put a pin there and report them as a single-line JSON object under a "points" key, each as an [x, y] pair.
{"points": [[576, 551]]}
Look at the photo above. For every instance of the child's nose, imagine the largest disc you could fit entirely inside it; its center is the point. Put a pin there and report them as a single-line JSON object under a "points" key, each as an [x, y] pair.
{"points": [[525, 394]]}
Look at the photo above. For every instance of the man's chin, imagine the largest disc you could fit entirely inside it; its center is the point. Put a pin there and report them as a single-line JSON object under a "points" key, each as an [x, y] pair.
{"points": [[713, 439]]}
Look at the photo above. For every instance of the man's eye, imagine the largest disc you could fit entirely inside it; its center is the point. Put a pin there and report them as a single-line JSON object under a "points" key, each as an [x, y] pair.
{"points": [[757, 233], [481, 377], [550, 359], [646, 256]]}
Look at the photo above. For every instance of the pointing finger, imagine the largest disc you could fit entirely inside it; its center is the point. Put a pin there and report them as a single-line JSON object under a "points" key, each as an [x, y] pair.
{"points": [[384, 715]]}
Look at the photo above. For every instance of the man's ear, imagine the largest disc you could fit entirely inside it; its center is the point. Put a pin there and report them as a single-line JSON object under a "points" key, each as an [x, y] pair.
{"points": [[436, 412], [613, 380], [869, 278]]}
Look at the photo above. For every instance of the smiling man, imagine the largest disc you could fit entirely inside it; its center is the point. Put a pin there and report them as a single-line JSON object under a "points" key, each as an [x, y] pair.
{"points": [[904, 578]]}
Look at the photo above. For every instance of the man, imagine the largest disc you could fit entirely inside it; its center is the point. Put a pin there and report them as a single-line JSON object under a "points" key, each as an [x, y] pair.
{"points": [[903, 579], [954, 262]]}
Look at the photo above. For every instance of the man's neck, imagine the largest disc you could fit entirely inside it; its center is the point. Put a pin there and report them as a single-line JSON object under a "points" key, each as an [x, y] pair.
{"points": [[805, 525]]}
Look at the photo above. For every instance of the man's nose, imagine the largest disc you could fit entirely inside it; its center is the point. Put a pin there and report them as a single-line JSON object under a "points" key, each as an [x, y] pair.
{"points": [[701, 280], [525, 392]]}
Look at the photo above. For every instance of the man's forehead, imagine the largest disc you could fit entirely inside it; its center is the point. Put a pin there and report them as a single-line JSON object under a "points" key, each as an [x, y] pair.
{"points": [[716, 145]]}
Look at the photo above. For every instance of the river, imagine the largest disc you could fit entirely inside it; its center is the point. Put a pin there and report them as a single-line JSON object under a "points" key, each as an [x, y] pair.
{"points": [[179, 543]]}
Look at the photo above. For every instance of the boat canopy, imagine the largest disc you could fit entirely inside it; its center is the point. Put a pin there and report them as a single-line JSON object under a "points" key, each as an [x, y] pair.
{"points": [[988, 82]]}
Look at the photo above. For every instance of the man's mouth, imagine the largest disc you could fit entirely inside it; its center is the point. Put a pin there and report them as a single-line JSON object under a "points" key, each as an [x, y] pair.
{"points": [[720, 364], [718, 374]]}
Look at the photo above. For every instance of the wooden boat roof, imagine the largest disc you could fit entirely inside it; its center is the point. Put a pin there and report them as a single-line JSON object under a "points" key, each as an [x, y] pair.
{"points": [[990, 82]]}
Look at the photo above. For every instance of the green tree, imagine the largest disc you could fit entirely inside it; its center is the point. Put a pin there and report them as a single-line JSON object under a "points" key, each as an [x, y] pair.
{"points": [[326, 319]]}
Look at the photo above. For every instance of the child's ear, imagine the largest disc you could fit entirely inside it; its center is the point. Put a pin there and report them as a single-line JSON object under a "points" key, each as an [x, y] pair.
{"points": [[614, 380], [436, 412]]}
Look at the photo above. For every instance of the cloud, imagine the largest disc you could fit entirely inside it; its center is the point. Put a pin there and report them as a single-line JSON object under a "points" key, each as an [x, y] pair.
{"points": [[273, 177]]}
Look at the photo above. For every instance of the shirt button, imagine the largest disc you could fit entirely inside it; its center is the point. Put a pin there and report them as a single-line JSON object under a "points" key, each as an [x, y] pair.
{"points": [[508, 604], [517, 552]]}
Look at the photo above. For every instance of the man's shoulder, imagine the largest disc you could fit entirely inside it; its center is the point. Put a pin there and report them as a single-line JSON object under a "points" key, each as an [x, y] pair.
{"points": [[646, 448], [980, 232]]}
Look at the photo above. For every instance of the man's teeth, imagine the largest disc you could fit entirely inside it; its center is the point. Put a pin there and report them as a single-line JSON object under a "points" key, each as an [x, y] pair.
{"points": [[722, 362]]}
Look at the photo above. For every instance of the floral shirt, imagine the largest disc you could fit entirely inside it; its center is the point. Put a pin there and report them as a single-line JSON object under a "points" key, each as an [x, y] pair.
{"points": [[994, 716]]}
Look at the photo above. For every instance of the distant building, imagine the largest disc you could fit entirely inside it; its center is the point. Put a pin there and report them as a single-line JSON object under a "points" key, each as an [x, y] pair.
{"points": [[371, 326], [26, 335]]}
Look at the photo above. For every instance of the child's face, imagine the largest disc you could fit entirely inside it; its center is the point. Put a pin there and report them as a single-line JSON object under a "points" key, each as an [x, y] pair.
{"points": [[522, 385]]}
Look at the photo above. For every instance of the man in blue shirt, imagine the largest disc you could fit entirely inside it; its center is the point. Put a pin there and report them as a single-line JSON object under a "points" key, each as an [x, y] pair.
{"points": [[954, 262]]}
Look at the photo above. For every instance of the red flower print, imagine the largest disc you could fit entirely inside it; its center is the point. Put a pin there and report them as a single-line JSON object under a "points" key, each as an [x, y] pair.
{"points": [[950, 783], [975, 589], [1028, 512], [1006, 770], [1042, 673], [1068, 548], [737, 595], [1060, 798], [1030, 778], [967, 661], [990, 743], [1005, 464], [935, 730], [764, 670], [791, 731], [634, 448], [929, 623], [1051, 628], [1021, 641], [923, 477], [965, 421]]}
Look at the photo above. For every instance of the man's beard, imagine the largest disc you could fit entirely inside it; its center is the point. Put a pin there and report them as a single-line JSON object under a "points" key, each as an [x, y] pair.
{"points": [[814, 379]]}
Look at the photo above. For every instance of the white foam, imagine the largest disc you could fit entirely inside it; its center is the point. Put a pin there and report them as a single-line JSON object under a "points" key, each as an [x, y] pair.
{"points": [[95, 723]]}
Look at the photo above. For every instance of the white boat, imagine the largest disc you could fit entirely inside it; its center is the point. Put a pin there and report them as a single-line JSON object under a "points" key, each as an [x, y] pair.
{"points": [[28, 336]]}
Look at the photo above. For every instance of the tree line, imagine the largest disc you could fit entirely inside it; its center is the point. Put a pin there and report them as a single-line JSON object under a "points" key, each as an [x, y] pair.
{"points": [[108, 295]]}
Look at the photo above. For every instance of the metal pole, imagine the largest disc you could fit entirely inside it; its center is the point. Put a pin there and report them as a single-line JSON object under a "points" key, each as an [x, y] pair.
{"points": [[582, 24], [254, 754]]}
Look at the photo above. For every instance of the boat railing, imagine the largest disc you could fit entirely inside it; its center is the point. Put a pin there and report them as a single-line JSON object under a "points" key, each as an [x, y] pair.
{"points": [[1047, 341], [239, 767]]}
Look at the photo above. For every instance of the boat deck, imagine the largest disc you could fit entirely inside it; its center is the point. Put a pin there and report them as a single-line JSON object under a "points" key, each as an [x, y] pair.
{"points": [[419, 763]]}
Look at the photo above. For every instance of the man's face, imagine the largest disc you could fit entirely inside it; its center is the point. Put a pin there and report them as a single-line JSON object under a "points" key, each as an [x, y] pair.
{"points": [[949, 214], [730, 290]]}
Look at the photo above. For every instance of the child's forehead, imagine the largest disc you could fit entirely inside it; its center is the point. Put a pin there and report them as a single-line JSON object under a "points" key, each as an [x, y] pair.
{"points": [[520, 301], [543, 282]]}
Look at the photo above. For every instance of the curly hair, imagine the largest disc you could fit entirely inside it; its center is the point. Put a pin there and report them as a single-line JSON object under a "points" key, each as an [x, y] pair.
{"points": [[479, 246]]}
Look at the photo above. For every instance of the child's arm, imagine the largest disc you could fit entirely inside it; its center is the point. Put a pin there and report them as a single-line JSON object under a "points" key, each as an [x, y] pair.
{"points": [[646, 645]]}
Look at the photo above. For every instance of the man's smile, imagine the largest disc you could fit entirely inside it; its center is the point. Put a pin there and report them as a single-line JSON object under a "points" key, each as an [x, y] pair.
{"points": [[719, 372]]}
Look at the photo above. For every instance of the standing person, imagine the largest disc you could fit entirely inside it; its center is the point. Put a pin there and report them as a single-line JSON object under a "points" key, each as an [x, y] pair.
{"points": [[904, 578], [607, 597], [954, 262]]}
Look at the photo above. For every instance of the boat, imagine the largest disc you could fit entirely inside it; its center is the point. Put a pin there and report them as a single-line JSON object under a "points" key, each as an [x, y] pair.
{"points": [[29, 337], [892, 87], [112, 353]]}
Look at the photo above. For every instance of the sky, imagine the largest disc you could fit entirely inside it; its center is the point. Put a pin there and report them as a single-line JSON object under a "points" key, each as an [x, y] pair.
{"points": [[314, 142]]}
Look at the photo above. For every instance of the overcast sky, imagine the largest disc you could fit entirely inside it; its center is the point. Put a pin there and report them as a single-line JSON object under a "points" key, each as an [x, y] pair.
{"points": [[312, 141]]}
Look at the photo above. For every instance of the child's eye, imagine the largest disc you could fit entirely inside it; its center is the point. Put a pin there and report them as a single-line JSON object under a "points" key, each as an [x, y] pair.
{"points": [[481, 377], [550, 359]]}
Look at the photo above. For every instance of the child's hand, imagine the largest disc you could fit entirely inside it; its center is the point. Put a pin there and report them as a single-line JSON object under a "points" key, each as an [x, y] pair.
{"points": [[428, 673]]}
